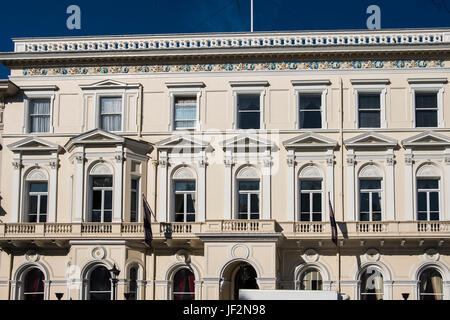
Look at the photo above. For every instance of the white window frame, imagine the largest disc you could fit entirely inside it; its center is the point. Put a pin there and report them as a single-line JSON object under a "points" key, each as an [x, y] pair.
{"points": [[29, 96], [381, 89], [91, 197], [429, 88], [184, 193], [257, 90], [184, 92], [249, 193], [371, 191], [323, 91], [39, 195], [109, 94], [311, 192], [440, 198]]}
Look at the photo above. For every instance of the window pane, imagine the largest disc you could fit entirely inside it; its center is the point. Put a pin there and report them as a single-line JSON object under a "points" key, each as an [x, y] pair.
{"points": [[310, 119], [254, 203], [100, 280], [32, 205], [422, 201], [428, 184], [254, 216], [190, 199], [317, 202], [426, 118], [97, 200], [317, 216], [369, 119], [248, 102], [39, 115], [310, 101], [190, 218], [179, 203], [369, 101], [185, 185], [311, 185], [38, 187], [304, 202], [364, 201], [248, 185], [110, 105], [434, 201], [426, 100], [184, 124], [107, 216], [243, 203], [179, 217], [369, 184], [185, 111], [376, 202], [305, 217], [249, 120], [96, 216], [376, 216], [111, 122], [43, 204], [111, 113], [108, 199], [434, 215], [102, 182]]}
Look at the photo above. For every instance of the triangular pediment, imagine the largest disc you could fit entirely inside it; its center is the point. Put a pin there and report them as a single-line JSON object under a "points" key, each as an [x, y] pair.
{"points": [[371, 139], [33, 144], [245, 141], [94, 137], [309, 140], [427, 139], [108, 84], [182, 142]]}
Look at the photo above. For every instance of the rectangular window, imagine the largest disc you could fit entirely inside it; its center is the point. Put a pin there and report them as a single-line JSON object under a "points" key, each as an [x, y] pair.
{"points": [[134, 200], [37, 202], [39, 113], [111, 113], [428, 199], [102, 192], [369, 200], [369, 110], [311, 200], [426, 109], [248, 200], [185, 112], [248, 111], [184, 201], [310, 110]]}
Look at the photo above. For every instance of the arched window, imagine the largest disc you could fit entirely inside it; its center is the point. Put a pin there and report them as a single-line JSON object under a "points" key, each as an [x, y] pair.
{"points": [[370, 194], [371, 284], [33, 285], [430, 284], [183, 285], [36, 204], [101, 184], [184, 193], [132, 284], [428, 190], [310, 279], [311, 194], [248, 193], [99, 284]]}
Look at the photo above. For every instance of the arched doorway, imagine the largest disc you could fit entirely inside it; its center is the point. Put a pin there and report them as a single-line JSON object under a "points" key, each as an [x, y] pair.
{"points": [[99, 284], [235, 276]]}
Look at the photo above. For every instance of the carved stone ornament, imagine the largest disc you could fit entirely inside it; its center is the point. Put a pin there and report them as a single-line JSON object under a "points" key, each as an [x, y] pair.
{"points": [[32, 256], [53, 164], [372, 255], [240, 251], [79, 159], [290, 161], [408, 159], [330, 161], [431, 254], [390, 161], [16, 165], [183, 255], [310, 255], [350, 160], [98, 253]]}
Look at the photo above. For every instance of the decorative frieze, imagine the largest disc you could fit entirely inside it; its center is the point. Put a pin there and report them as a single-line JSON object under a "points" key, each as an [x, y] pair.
{"points": [[238, 67]]}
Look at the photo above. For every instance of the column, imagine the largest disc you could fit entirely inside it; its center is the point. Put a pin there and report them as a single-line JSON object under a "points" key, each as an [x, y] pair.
{"points": [[330, 183], [17, 167], [291, 186], [202, 190], [409, 195], [118, 185], [266, 188], [53, 189], [162, 168], [351, 187], [447, 185], [390, 188], [79, 187], [228, 214]]}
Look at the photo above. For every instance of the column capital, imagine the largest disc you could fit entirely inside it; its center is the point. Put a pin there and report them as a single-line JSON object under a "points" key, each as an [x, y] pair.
{"points": [[351, 160], [330, 161], [17, 164], [390, 161], [409, 159]]}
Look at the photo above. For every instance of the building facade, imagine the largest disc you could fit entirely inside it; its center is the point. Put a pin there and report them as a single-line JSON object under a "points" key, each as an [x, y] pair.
{"points": [[241, 144]]}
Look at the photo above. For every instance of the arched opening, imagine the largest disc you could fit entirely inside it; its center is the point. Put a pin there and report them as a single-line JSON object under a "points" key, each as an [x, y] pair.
{"points": [[244, 278], [33, 285], [430, 285], [184, 195], [101, 193], [310, 185], [132, 285], [248, 193], [370, 194], [36, 196], [371, 284], [184, 285], [99, 284], [310, 279]]}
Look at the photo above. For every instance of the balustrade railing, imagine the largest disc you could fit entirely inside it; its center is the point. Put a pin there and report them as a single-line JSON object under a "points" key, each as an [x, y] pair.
{"points": [[371, 227], [309, 227], [240, 226]]}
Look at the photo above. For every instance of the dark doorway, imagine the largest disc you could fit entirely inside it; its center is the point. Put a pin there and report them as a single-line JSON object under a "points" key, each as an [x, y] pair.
{"points": [[245, 278]]}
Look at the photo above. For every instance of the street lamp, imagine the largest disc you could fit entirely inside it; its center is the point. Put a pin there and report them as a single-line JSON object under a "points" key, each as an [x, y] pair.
{"points": [[114, 279]]}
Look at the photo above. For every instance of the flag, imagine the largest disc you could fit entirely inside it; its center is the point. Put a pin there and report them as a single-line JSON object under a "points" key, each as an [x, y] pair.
{"points": [[334, 234], [147, 222]]}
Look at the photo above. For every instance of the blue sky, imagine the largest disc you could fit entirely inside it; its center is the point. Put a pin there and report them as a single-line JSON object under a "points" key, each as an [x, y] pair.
{"points": [[44, 18]]}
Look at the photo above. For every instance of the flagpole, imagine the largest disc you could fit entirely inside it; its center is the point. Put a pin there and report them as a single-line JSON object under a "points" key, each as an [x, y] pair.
{"points": [[251, 15]]}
